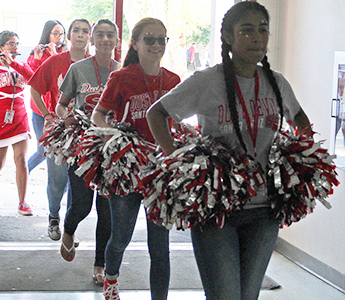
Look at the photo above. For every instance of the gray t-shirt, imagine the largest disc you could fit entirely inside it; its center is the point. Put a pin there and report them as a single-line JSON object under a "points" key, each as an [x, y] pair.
{"points": [[204, 94], [81, 83]]}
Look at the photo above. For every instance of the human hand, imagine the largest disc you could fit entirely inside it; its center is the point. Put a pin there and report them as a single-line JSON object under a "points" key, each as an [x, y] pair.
{"points": [[69, 120], [51, 48], [38, 51], [106, 138], [48, 120], [6, 58]]}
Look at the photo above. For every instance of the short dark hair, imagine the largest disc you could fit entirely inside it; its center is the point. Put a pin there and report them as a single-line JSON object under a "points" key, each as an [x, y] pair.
{"points": [[5, 36], [105, 21], [74, 21]]}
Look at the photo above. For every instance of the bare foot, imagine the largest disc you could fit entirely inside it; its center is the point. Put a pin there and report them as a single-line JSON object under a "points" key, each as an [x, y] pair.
{"points": [[67, 249]]}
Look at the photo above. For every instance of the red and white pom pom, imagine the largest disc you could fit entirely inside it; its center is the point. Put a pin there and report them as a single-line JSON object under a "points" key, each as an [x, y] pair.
{"points": [[300, 172], [123, 154], [198, 181], [61, 141], [113, 167], [89, 152]]}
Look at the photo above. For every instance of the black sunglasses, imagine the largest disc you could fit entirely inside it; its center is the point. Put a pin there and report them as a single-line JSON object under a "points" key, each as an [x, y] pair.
{"points": [[150, 40]]}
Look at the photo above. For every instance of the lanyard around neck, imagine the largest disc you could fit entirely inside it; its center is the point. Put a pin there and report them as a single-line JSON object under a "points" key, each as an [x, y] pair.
{"points": [[253, 130], [100, 85]]}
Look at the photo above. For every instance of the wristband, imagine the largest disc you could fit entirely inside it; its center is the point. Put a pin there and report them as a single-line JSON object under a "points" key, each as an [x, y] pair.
{"points": [[44, 117]]}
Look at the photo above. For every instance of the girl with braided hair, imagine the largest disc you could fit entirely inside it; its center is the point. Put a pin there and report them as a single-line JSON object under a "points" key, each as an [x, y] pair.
{"points": [[243, 103]]}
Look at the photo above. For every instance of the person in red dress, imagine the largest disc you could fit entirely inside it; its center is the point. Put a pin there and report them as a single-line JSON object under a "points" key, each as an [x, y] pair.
{"points": [[14, 124]]}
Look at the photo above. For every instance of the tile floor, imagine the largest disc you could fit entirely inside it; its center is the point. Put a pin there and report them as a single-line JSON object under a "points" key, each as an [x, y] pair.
{"points": [[296, 283]]}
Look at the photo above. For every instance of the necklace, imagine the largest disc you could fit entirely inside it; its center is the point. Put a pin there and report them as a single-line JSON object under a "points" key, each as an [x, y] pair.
{"points": [[100, 85], [154, 78], [160, 76]]}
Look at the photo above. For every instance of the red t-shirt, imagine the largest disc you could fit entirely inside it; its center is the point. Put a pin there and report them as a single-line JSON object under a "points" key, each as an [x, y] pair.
{"points": [[49, 76], [129, 84], [35, 64]]}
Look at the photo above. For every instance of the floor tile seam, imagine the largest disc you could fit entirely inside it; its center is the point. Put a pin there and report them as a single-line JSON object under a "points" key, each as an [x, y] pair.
{"points": [[84, 246]]}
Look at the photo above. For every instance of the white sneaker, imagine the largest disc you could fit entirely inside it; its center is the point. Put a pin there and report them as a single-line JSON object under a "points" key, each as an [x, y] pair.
{"points": [[54, 230]]}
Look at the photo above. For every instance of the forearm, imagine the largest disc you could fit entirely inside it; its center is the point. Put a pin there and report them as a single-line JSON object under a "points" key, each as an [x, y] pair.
{"points": [[157, 120], [61, 110], [24, 70], [97, 117], [39, 102], [301, 121]]}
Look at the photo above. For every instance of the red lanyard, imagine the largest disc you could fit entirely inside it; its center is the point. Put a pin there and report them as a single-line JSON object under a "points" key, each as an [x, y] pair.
{"points": [[100, 86], [253, 131]]}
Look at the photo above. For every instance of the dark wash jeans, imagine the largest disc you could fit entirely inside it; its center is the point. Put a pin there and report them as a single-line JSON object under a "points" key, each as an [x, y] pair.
{"points": [[124, 212]]}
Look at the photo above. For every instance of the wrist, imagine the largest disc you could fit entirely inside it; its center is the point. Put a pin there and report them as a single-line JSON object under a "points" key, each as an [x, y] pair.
{"points": [[47, 115]]}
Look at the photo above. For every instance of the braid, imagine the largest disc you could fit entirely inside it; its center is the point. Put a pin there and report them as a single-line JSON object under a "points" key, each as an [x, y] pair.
{"points": [[229, 76], [273, 82]]}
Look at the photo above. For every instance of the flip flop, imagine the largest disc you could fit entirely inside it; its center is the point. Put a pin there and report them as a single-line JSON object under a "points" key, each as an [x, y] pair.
{"points": [[98, 279], [67, 254]]}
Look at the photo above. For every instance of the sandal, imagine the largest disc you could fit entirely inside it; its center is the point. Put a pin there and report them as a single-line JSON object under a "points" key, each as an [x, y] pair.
{"points": [[98, 279], [67, 254]]}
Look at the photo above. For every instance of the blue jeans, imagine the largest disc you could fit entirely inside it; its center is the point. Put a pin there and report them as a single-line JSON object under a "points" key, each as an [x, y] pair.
{"points": [[232, 261], [124, 212], [57, 184], [82, 200], [36, 158]]}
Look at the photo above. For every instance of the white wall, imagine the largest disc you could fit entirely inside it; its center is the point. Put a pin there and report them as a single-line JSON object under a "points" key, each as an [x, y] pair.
{"points": [[304, 40], [27, 19]]}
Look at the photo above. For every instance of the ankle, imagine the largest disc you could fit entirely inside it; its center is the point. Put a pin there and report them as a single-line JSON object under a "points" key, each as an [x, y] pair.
{"points": [[98, 270], [54, 218]]}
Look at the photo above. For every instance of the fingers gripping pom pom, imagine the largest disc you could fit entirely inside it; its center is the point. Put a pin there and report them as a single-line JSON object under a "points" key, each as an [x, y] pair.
{"points": [[61, 140], [299, 173]]}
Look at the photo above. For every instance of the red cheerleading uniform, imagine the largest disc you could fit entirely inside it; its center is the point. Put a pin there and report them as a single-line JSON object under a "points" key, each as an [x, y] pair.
{"points": [[13, 91]]}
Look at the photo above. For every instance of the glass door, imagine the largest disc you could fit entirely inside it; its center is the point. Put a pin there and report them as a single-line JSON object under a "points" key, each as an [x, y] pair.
{"points": [[337, 145]]}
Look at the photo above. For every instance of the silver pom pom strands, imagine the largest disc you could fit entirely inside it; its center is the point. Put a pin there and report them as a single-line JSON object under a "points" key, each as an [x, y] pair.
{"points": [[299, 173], [199, 181], [61, 141], [113, 167]]}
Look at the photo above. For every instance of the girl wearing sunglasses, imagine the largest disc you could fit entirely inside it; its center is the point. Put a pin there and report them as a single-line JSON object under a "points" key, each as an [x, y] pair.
{"points": [[140, 82]]}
